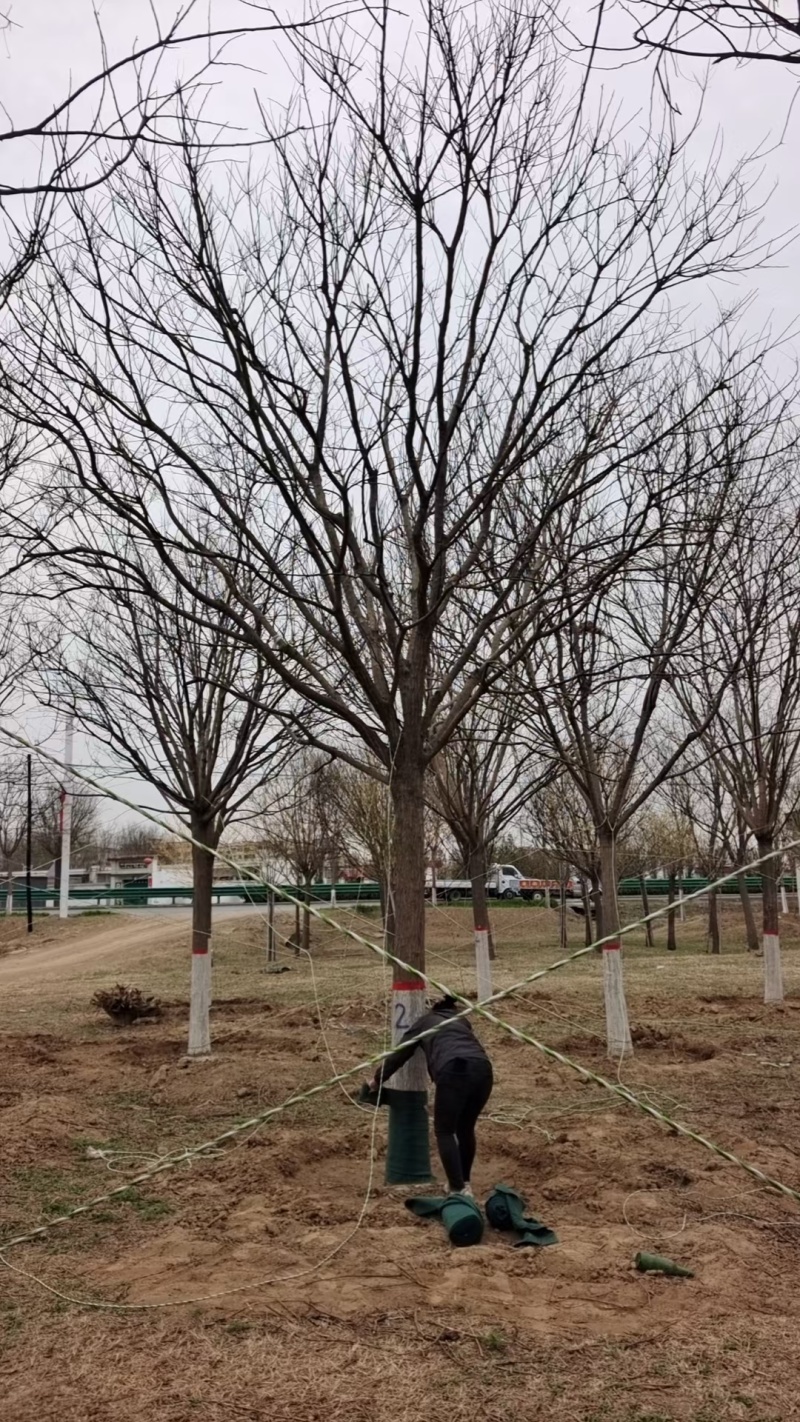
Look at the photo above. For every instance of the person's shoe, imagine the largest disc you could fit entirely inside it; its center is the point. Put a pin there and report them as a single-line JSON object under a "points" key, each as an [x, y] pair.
{"points": [[468, 1191]]}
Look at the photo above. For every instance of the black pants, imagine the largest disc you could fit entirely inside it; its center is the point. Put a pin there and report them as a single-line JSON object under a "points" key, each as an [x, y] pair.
{"points": [[461, 1094]]}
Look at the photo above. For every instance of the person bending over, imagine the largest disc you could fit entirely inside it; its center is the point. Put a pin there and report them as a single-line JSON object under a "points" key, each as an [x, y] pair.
{"points": [[462, 1075]]}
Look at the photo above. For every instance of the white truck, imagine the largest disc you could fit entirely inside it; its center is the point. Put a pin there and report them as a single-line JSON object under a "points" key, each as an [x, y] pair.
{"points": [[502, 882]]}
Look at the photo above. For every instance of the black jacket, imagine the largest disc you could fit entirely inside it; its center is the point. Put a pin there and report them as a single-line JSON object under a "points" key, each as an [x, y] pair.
{"points": [[452, 1043]]}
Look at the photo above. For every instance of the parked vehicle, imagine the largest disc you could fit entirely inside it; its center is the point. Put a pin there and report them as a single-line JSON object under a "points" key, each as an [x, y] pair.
{"points": [[538, 889], [502, 882]]}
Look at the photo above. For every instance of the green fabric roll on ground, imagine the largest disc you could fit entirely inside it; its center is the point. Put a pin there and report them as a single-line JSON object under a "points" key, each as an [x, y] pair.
{"points": [[505, 1210], [460, 1216]]}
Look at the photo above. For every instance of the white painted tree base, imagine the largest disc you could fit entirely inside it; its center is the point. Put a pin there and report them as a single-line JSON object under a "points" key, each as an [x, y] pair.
{"points": [[483, 964], [618, 1032], [773, 968], [408, 1005], [200, 1006]]}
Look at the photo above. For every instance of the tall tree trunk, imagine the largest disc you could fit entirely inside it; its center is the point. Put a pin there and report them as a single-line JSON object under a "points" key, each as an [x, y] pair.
{"points": [[589, 897], [714, 941], [671, 942], [202, 884], [563, 932], [773, 971], [271, 954], [476, 868], [750, 929], [648, 928], [387, 911], [408, 1153], [618, 1032], [10, 891], [596, 895], [306, 915]]}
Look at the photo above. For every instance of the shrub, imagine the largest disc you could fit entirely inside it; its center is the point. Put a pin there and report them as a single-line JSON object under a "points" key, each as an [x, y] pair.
{"points": [[126, 1005]]}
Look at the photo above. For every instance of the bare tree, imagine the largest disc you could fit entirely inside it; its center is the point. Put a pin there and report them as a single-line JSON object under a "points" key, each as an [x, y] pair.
{"points": [[47, 816], [750, 673], [559, 817], [13, 818], [596, 688], [477, 784], [90, 131], [188, 709], [704, 806], [133, 838], [295, 826], [364, 358], [361, 813], [674, 847], [716, 30], [637, 859]]}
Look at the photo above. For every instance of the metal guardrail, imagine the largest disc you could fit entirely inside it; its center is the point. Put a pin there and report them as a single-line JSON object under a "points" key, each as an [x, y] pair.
{"points": [[141, 896]]}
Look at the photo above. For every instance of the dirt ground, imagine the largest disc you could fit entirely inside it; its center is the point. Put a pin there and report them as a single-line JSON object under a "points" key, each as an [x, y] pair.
{"points": [[278, 1278]]}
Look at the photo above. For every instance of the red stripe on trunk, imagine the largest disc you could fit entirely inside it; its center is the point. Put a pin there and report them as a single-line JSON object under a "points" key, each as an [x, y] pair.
{"points": [[611, 947], [416, 985]]}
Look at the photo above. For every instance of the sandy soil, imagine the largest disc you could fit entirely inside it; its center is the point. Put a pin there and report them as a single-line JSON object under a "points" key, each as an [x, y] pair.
{"points": [[280, 1279], [62, 949]]}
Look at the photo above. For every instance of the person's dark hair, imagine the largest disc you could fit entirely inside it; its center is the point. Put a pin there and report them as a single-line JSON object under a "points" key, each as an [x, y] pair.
{"points": [[445, 1004]]}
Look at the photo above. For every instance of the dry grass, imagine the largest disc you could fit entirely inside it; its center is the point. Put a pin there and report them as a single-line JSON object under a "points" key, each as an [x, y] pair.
{"points": [[395, 1326]]}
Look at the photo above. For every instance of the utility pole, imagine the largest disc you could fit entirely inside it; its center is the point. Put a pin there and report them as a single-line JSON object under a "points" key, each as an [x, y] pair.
{"points": [[66, 822], [28, 848]]}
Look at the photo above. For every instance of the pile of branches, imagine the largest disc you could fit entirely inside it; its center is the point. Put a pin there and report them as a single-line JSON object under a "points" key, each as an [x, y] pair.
{"points": [[126, 1005]]}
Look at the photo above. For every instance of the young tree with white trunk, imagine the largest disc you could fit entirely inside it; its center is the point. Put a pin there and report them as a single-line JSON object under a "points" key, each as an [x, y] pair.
{"points": [[750, 674], [187, 709], [595, 688], [295, 827], [13, 818], [478, 784]]}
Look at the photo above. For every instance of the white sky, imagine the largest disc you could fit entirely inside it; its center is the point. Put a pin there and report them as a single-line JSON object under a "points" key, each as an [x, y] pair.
{"points": [[54, 46]]}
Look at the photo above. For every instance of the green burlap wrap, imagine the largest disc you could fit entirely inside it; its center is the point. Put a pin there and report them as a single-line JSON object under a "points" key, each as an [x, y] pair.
{"points": [[460, 1216], [505, 1210], [408, 1156]]}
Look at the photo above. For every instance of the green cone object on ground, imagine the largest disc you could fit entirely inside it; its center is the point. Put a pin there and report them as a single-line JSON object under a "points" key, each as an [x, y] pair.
{"points": [[657, 1264]]}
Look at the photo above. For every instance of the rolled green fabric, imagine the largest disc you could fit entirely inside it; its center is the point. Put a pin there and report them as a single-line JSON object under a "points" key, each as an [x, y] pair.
{"points": [[460, 1216], [505, 1210]]}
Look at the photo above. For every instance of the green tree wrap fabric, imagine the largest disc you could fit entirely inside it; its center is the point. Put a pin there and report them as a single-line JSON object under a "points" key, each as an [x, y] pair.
{"points": [[460, 1216], [408, 1158], [505, 1210]]}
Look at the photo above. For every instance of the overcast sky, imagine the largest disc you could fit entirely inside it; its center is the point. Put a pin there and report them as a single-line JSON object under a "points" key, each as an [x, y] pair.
{"points": [[53, 45]]}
